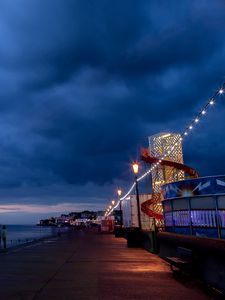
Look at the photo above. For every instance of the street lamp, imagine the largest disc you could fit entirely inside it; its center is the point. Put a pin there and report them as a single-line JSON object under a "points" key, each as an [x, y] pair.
{"points": [[135, 169], [119, 193]]}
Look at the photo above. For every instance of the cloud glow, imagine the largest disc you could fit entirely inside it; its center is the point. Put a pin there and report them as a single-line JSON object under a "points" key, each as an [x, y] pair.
{"points": [[57, 208]]}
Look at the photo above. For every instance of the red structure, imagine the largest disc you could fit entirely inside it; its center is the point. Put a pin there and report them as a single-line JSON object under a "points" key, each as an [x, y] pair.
{"points": [[153, 207]]}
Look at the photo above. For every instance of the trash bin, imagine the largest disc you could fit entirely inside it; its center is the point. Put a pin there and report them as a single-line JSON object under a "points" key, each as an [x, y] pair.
{"points": [[134, 238], [119, 231]]}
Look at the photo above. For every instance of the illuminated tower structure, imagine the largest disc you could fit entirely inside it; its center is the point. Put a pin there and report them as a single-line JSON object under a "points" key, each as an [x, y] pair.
{"points": [[166, 155], [168, 145]]}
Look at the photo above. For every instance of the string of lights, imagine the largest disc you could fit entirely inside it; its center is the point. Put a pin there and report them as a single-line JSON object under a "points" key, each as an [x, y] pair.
{"points": [[187, 131]]}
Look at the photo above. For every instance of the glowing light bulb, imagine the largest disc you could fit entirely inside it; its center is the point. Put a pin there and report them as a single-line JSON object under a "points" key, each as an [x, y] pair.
{"points": [[211, 102], [203, 112], [185, 133], [196, 120], [135, 168], [119, 192], [190, 127], [221, 91]]}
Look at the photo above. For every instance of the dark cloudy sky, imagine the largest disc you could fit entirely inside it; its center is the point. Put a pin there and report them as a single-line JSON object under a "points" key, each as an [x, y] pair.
{"points": [[84, 82]]}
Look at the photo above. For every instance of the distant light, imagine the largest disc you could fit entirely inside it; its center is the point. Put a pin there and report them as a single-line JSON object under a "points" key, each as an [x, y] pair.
{"points": [[203, 112], [196, 120], [221, 91], [211, 102], [190, 127], [185, 133], [113, 202]]}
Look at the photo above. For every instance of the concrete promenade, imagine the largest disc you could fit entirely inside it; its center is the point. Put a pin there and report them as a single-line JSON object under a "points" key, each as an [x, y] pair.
{"points": [[89, 265]]}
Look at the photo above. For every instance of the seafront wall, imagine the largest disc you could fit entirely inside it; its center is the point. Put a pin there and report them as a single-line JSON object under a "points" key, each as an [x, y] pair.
{"points": [[209, 255]]}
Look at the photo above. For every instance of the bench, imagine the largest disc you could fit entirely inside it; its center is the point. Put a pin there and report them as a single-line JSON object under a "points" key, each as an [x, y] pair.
{"points": [[183, 262]]}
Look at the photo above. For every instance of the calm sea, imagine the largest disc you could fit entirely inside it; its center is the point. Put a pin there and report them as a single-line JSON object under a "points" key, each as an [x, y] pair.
{"points": [[20, 234]]}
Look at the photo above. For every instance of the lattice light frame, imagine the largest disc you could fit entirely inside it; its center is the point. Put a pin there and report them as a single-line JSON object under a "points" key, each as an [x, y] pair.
{"points": [[158, 147]]}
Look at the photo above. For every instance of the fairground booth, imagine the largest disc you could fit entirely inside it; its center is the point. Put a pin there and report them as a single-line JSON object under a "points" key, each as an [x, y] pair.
{"points": [[195, 207]]}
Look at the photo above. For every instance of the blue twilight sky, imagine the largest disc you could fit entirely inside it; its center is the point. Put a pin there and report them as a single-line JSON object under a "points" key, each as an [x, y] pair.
{"points": [[84, 82]]}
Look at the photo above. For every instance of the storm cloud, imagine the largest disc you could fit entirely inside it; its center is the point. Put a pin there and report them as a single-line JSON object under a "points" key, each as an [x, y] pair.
{"points": [[84, 82]]}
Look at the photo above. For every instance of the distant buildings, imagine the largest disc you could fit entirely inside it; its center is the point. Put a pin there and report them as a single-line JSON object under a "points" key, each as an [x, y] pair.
{"points": [[73, 218], [48, 222]]}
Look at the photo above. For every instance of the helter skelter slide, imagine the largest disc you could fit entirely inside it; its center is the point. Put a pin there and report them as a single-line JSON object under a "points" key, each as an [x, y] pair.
{"points": [[168, 170]]}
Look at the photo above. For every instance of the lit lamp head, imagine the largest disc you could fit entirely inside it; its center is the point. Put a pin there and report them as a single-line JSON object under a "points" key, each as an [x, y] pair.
{"points": [[113, 202], [110, 206], [119, 192], [135, 168]]}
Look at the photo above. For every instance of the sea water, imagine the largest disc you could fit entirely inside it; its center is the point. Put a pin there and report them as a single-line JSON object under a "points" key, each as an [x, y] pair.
{"points": [[20, 234]]}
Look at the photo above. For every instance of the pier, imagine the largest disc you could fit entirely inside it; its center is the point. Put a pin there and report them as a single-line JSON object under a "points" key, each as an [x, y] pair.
{"points": [[89, 265]]}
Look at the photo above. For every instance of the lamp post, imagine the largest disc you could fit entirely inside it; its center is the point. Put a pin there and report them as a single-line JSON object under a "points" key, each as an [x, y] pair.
{"points": [[135, 169], [113, 203], [119, 193]]}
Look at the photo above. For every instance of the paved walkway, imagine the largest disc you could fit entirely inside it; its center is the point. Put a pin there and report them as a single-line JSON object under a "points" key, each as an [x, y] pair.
{"points": [[88, 265]]}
